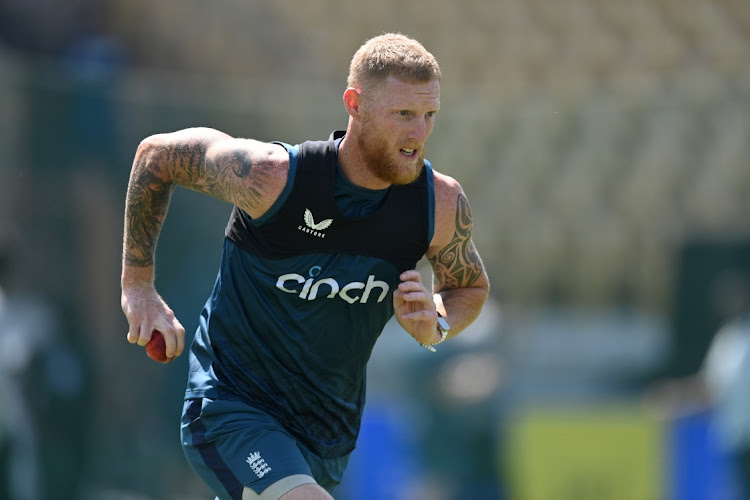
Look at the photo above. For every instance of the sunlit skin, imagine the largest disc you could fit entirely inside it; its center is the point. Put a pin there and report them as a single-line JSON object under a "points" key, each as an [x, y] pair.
{"points": [[389, 124], [384, 145], [388, 129]]}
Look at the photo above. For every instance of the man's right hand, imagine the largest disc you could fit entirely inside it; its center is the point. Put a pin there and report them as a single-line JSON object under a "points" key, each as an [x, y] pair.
{"points": [[146, 311]]}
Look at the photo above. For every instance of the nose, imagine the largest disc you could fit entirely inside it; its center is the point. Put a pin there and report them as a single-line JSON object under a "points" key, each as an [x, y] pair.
{"points": [[421, 130]]}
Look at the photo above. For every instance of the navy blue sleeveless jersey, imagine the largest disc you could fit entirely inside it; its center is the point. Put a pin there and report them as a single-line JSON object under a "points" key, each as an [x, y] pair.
{"points": [[302, 294]]}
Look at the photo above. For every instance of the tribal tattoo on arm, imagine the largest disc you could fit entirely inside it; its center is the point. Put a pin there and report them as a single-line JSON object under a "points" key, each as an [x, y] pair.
{"points": [[458, 264]]}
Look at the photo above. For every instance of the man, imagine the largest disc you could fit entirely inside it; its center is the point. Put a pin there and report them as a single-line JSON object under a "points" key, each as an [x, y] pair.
{"points": [[719, 388], [319, 253], [725, 375]]}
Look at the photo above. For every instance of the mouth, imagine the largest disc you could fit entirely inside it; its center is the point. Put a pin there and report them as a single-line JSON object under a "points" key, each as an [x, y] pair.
{"points": [[408, 152]]}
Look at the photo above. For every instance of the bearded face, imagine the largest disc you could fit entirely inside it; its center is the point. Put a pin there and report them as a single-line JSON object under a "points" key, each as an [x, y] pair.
{"points": [[394, 118], [386, 159]]}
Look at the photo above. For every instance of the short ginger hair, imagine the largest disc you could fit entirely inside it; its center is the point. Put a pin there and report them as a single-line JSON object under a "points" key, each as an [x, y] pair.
{"points": [[391, 54]]}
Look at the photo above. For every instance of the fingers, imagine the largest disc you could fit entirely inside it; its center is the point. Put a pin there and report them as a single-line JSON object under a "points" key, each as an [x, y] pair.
{"points": [[420, 316], [179, 337], [134, 330], [139, 330], [419, 299], [174, 339], [412, 300], [173, 333], [412, 290], [411, 281], [414, 307], [146, 315], [411, 275], [133, 333]]}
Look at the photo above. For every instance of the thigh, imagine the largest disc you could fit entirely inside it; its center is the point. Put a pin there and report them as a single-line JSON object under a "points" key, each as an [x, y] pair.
{"points": [[235, 447], [289, 488], [307, 492]]}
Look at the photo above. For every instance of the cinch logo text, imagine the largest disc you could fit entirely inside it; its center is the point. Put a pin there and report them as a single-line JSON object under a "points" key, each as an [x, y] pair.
{"points": [[311, 289]]}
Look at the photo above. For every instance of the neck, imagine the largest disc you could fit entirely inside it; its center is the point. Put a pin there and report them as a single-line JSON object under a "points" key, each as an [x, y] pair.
{"points": [[354, 166]]}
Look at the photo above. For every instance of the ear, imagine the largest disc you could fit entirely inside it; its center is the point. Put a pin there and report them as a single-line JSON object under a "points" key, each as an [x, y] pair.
{"points": [[353, 102]]}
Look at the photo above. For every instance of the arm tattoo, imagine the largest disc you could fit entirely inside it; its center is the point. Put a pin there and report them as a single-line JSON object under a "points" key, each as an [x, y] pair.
{"points": [[146, 206], [224, 177], [187, 158], [458, 264], [227, 178]]}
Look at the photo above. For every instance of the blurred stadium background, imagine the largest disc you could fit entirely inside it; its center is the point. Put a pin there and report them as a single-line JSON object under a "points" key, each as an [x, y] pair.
{"points": [[603, 145]]}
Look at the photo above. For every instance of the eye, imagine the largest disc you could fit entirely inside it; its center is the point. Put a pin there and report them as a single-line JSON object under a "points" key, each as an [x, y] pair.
{"points": [[430, 114], [404, 112]]}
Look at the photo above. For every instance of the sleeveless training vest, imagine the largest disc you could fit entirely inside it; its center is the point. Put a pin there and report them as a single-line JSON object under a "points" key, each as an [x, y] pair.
{"points": [[301, 297]]}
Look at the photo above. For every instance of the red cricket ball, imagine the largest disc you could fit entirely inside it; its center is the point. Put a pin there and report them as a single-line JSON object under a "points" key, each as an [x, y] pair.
{"points": [[157, 348]]}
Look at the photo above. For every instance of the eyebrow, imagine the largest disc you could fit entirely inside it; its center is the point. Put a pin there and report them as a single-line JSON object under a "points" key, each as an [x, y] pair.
{"points": [[408, 106]]}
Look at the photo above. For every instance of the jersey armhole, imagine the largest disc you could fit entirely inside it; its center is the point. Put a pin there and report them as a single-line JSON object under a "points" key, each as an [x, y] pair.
{"points": [[430, 202], [293, 160]]}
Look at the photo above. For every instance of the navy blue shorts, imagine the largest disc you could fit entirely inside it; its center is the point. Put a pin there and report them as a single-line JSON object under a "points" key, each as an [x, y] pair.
{"points": [[232, 445]]}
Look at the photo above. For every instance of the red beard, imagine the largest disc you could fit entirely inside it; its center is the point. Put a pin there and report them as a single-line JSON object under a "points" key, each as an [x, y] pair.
{"points": [[380, 161]]}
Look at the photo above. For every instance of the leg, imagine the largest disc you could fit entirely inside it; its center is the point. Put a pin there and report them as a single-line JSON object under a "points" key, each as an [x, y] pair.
{"points": [[240, 452], [289, 488], [307, 492]]}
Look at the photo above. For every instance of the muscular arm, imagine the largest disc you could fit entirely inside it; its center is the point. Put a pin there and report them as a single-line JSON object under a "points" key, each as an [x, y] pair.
{"points": [[460, 281], [460, 285], [247, 173]]}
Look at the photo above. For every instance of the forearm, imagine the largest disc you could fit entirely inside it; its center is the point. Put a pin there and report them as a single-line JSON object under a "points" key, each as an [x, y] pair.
{"points": [[460, 286], [149, 191], [161, 162], [460, 306]]}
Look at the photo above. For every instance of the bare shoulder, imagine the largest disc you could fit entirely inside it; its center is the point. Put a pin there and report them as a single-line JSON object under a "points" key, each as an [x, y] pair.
{"points": [[450, 204], [248, 173], [452, 253]]}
